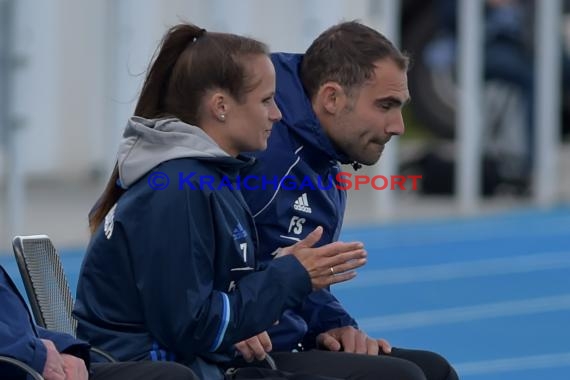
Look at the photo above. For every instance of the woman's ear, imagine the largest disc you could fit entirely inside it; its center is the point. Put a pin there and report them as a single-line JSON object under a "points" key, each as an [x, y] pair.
{"points": [[218, 107], [331, 97]]}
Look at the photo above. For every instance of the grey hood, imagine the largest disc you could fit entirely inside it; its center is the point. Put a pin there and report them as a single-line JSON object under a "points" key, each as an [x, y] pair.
{"points": [[147, 143]]}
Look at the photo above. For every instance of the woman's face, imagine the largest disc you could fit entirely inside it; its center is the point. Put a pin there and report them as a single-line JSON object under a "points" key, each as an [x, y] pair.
{"points": [[248, 124]]}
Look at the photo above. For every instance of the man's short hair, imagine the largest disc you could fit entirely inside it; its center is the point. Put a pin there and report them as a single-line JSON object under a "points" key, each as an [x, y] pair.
{"points": [[346, 54]]}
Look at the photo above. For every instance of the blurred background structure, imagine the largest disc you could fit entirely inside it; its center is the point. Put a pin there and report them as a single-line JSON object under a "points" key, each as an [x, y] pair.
{"points": [[488, 127], [70, 73]]}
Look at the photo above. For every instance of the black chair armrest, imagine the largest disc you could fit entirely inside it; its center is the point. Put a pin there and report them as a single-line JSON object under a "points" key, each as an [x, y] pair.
{"points": [[23, 366]]}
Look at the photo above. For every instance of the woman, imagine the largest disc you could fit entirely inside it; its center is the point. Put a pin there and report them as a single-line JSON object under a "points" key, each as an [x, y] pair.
{"points": [[170, 271]]}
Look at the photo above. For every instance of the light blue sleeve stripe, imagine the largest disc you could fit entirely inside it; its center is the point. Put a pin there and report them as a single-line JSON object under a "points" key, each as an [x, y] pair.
{"points": [[224, 323], [153, 353]]}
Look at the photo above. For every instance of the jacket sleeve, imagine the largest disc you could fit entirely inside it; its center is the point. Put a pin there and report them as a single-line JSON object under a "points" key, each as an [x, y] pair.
{"points": [[66, 344], [18, 337], [175, 274], [323, 312], [21, 339]]}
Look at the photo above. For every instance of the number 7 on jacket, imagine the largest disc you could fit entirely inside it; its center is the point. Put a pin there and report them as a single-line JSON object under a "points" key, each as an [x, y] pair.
{"points": [[243, 247]]}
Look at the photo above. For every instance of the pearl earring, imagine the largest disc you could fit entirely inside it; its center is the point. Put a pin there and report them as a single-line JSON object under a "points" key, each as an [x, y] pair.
{"points": [[222, 117]]}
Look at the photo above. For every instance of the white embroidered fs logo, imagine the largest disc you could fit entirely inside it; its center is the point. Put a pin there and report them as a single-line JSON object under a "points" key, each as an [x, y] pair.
{"points": [[109, 222], [302, 204], [296, 225]]}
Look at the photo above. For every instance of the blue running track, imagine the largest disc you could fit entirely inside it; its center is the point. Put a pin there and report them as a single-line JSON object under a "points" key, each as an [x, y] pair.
{"points": [[492, 294]]}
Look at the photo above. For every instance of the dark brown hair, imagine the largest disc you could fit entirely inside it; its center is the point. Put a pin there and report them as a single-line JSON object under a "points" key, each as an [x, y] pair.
{"points": [[189, 62], [346, 54]]}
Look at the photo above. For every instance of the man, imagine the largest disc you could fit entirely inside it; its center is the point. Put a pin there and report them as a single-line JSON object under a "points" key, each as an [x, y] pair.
{"points": [[341, 102], [58, 356]]}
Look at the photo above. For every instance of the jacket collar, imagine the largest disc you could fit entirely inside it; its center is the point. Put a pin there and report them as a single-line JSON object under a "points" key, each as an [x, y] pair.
{"points": [[297, 110]]}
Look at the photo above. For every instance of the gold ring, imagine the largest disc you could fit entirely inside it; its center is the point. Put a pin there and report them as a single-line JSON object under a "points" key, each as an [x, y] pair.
{"points": [[332, 271]]}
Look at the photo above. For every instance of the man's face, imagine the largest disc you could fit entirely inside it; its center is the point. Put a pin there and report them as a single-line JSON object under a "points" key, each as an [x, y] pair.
{"points": [[373, 114]]}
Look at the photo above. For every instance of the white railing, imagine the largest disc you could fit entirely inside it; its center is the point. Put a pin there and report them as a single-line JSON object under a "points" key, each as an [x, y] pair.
{"points": [[547, 100], [388, 23], [12, 182], [468, 117]]}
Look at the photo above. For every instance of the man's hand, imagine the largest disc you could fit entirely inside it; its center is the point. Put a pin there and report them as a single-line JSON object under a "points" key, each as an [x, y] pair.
{"points": [[349, 339], [54, 366], [74, 368], [329, 264], [255, 347]]}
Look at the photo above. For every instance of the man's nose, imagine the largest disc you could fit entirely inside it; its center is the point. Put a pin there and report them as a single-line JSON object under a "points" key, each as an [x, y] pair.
{"points": [[396, 126]]}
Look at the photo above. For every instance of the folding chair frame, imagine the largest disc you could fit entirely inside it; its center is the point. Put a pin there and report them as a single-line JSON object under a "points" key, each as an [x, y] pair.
{"points": [[18, 246], [23, 366]]}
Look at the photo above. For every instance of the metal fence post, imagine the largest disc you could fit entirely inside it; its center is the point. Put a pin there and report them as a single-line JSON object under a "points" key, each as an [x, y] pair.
{"points": [[547, 100], [469, 121]]}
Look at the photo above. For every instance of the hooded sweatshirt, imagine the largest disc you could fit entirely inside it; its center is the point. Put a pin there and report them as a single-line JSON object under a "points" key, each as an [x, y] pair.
{"points": [[303, 163], [171, 274]]}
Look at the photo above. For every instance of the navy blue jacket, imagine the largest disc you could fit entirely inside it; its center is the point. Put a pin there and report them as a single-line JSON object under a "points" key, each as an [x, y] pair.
{"points": [[286, 211], [171, 274], [20, 337]]}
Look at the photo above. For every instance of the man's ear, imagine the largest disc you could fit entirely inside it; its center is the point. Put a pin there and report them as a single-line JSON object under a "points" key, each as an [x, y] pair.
{"points": [[218, 106], [331, 97]]}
